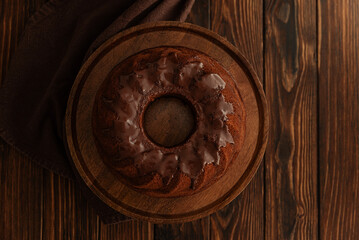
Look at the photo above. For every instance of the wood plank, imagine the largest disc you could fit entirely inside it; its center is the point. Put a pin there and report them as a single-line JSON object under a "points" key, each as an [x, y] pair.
{"points": [[191, 230], [241, 22], [291, 87], [21, 196], [338, 44], [132, 229], [199, 229], [200, 13], [66, 213]]}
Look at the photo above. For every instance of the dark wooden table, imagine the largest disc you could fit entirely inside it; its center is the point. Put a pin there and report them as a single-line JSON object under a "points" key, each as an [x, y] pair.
{"points": [[306, 53]]}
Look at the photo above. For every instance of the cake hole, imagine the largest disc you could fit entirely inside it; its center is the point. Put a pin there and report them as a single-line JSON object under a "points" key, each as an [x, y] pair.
{"points": [[169, 121]]}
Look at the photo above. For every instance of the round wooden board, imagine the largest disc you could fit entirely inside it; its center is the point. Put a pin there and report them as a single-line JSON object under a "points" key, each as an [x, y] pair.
{"points": [[81, 140]]}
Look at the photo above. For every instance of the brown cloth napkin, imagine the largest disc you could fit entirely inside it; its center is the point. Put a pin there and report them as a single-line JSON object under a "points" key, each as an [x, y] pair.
{"points": [[56, 41]]}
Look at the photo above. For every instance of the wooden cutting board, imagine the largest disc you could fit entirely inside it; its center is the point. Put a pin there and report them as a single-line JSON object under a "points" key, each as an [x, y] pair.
{"points": [[104, 183]]}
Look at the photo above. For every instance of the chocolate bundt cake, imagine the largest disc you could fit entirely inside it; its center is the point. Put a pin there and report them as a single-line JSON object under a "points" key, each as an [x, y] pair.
{"points": [[147, 90]]}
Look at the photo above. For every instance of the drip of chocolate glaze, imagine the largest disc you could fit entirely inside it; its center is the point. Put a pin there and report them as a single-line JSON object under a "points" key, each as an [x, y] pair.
{"points": [[190, 163], [145, 79], [211, 134], [149, 161], [189, 74], [166, 69], [168, 166]]}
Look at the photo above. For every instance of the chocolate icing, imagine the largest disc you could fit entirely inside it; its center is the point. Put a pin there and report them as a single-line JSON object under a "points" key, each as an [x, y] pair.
{"points": [[166, 76]]}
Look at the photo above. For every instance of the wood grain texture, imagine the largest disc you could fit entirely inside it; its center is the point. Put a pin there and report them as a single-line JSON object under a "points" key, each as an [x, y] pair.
{"points": [[291, 87], [198, 229], [21, 196], [241, 22], [200, 15], [338, 35], [37, 204], [66, 213], [169, 121], [132, 229]]}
